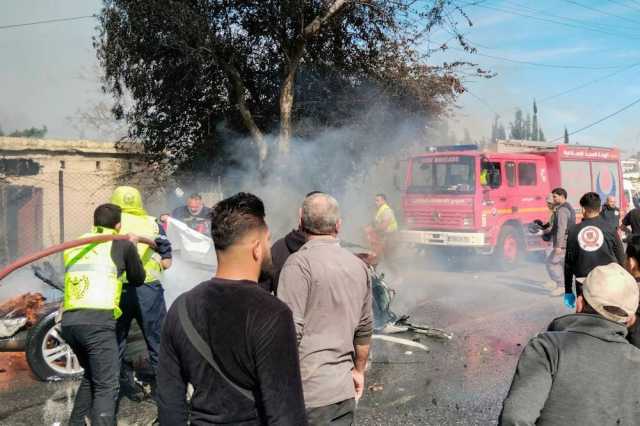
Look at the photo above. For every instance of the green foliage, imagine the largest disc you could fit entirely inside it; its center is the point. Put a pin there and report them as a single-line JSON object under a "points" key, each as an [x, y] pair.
{"points": [[32, 132], [517, 126], [525, 129], [196, 80]]}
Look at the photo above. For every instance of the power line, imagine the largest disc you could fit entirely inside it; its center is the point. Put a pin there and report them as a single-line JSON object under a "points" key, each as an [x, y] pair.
{"points": [[604, 12], [624, 108], [552, 21], [48, 21], [538, 64], [481, 100], [588, 83], [635, 9], [546, 13]]}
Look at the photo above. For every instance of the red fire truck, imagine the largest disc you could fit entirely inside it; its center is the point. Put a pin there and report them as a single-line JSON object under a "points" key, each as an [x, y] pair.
{"points": [[462, 197]]}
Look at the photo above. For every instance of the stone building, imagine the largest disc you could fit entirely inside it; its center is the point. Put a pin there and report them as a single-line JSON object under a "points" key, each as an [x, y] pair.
{"points": [[49, 188]]}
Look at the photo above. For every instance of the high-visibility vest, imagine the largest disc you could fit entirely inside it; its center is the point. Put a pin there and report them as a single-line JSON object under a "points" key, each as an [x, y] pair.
{"points": [[91, 277], [484, 177], [144, 226], [393, 225]]}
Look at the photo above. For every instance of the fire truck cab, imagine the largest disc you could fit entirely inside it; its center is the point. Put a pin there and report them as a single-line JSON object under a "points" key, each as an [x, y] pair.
{"points": [[484, 200]]}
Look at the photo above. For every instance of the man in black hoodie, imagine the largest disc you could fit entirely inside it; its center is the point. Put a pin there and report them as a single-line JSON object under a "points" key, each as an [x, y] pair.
{"points": [[280, 252], [582, 371]]}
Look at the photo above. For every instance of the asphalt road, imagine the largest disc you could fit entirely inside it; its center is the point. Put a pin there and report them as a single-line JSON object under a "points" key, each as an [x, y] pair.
{"points": [[458, 382]]}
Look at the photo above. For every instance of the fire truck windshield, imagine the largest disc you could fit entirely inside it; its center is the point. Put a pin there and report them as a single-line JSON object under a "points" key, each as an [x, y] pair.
{"points": [[443, 175]]}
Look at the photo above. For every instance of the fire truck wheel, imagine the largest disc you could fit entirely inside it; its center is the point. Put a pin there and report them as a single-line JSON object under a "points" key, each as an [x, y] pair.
{"points": [[48, 355], [510, 247]]}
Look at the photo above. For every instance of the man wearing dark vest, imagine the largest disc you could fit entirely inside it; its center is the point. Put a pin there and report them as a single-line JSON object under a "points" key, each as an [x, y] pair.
{"points": [[92, 287], [145, 303], [590, 244], [564, 217]]}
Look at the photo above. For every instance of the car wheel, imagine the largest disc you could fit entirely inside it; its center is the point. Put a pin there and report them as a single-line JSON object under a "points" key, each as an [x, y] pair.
{"points": [[48, 355]]}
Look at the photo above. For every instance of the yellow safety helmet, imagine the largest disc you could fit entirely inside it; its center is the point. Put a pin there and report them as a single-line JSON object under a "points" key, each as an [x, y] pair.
{"points": [[129, 200]]}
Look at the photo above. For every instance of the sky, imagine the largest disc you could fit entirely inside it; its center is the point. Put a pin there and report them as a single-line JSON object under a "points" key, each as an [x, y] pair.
{"points": [[538, 50]]}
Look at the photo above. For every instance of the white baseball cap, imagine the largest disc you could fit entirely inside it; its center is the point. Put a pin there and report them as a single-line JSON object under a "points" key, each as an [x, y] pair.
{"points": [[612, 292]]}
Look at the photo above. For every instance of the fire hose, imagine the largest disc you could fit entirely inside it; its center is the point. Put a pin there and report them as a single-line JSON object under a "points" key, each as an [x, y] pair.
{"points": [[25, 260]]}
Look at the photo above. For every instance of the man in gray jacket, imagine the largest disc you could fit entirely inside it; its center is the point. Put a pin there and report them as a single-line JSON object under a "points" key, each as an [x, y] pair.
{"points": [[563, 218], [329, 292], [582, 371]]}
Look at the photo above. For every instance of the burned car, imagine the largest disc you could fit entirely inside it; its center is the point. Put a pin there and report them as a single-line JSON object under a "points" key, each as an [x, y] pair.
{"points": [[29, 323]]}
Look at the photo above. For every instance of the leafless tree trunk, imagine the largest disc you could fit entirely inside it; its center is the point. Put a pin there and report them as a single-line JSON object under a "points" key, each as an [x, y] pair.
{"points": [[238, 91]]}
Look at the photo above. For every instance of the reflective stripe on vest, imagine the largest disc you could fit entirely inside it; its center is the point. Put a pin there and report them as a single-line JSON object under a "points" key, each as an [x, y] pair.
{"points": [[393, 225], [144, 226], [91, 279]]}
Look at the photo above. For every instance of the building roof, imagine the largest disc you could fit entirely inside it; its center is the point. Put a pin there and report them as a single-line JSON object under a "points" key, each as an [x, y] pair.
{"points": [[10, 146]]}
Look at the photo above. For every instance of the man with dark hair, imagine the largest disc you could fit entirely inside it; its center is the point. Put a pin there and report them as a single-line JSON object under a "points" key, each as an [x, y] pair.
{"points": [[611, 213], [233, 342], [582, 371], [195, 214], [329, 291], [92, 288], [280, 252], [591, 243], [633, 266], [632, 220], [564, 217]]}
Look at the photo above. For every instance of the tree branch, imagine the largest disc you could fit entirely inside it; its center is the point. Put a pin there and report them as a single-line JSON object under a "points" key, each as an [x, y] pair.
{"points": [[239, 90], [314, 26]]}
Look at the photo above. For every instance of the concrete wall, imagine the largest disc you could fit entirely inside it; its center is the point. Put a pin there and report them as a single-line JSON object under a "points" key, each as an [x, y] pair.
{"points": [[89, 169]]}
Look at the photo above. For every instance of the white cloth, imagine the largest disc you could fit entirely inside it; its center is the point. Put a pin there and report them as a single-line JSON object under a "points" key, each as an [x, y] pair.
{"points": [[194, 259]]}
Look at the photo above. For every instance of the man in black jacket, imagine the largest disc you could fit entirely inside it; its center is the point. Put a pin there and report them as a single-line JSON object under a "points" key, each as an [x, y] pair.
{"points": [[582, 371], [591, 243], [632, 220], [250, 335], [633, 266], [611, 213], [280, 252]]}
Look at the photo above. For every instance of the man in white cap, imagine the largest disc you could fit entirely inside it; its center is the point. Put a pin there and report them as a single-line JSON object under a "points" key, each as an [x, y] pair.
{"points": [[582, 371]]}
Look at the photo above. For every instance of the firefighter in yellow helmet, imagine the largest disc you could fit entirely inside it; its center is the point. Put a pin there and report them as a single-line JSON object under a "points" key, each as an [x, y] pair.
{"points": [[92, 287], [143, 303]]}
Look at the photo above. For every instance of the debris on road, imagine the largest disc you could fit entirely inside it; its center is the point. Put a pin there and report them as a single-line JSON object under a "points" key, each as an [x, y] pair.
{"points": [[400, 341], [376, 387], [26, 305]]}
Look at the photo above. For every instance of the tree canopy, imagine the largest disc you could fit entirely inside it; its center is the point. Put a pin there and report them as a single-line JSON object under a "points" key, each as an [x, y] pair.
{"points": [[523, 128], [32, 132], [193, 77]]}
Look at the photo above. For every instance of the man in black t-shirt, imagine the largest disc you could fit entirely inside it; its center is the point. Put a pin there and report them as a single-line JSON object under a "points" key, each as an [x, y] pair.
{"points": [[250, 334], [632, 220], [591, 243], [195, 215]]}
